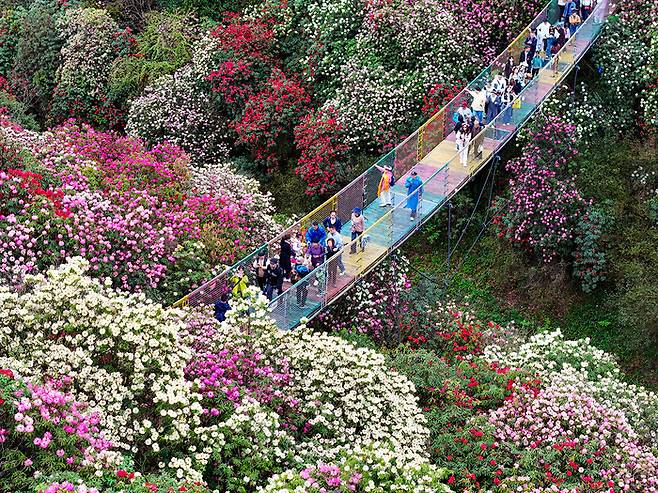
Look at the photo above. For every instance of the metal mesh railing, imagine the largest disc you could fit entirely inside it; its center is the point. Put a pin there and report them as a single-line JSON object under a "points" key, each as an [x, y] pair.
{"points": [[386, 232]]}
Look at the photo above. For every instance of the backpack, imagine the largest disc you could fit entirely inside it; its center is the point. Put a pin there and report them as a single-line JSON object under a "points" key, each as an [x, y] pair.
{"points": [[574, 19], [392, 179]]}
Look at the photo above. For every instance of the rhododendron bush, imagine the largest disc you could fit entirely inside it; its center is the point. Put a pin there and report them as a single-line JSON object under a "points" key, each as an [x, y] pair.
{"points": [[130, 211], [546, 213], [375, 306], [155, 390]]}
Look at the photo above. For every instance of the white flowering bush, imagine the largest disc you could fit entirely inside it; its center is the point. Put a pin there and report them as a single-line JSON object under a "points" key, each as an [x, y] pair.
{"points": [[549, 352], [374, 306], [179, 109], [374, 104], [89, 49], [222, 177], [376, 467], [623, 59], [229, 404], [346, 395], [650, 79], [121, 352]]}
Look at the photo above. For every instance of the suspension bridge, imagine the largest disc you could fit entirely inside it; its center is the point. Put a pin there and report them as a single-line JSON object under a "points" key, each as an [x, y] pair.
{"points": [[431, 152]]}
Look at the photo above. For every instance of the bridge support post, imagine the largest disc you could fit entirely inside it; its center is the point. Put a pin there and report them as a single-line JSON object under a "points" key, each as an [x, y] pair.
{"points": [[449, 205]]}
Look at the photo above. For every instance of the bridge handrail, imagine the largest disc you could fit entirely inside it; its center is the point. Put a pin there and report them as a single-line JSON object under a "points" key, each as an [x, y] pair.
{"points": [[361, 191]]}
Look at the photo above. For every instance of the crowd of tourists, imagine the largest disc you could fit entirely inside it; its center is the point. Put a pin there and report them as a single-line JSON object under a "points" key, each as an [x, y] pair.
{"points": [[301, 254], [501, 95]]}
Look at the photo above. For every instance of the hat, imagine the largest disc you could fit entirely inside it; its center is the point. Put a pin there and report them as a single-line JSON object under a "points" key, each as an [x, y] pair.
{"points": [[387, 167], [414, 173], [274, 260], [356, 210]]}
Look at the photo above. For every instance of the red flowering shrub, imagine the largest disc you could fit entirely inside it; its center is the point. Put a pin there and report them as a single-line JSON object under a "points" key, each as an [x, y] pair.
{"points": [[243, 58], [439, 96], [266, 126], [318, 138], [451, 394], [450, 334], [251, 39]]}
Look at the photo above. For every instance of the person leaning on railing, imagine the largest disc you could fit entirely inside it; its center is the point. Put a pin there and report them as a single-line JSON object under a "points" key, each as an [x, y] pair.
{"points": [[239, 283]]}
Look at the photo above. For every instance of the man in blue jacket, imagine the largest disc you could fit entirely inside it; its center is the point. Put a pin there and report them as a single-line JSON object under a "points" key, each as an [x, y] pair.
{"points": [[316, 234]]}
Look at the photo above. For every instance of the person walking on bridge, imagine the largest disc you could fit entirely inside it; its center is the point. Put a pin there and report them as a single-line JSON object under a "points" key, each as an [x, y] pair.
{"points": [[239, 283], [357, 228], [412, 184], [333, 221], [260, 269], [385, 184], [478, 140], [285, 256], [338, 243], [316, 234], [585, 9], [273, 279], [463, 139]]}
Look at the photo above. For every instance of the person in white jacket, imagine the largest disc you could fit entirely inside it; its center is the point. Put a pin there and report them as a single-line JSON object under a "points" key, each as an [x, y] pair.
{"points": [[479, 100], [542, 35], [463, 139]]}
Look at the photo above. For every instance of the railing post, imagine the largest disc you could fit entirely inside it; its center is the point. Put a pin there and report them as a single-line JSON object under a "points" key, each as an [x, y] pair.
{"points": [[449, 205]]}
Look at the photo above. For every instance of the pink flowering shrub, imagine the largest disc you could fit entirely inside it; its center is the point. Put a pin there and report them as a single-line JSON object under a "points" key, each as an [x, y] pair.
{"points": [[375, 306], [132, 212], [553, 439], [44, 428], [544, 202], [236, 376], [546, 214]]}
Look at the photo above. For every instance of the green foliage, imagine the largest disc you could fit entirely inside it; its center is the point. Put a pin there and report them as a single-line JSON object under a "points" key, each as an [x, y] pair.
{"points": [[9, 29], [213, 9], [652, 205], [17, 111], [164, 46], [589, 258], [77, 102], [37, 55], [191, 269]]}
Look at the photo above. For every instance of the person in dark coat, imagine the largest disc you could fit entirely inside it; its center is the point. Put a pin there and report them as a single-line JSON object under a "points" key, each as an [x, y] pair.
{"points": [[526, 57], [509, 67], [273, 278], [285, 256], [531, 42], [260, 268], [221, 307], [333, 220]]}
